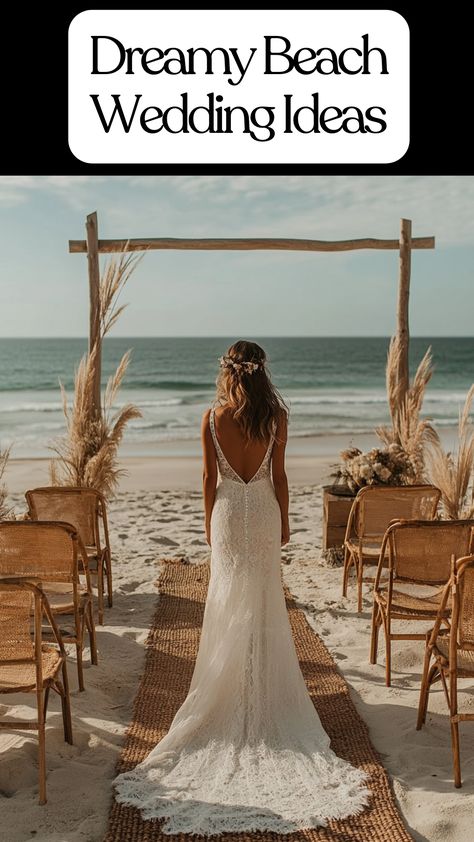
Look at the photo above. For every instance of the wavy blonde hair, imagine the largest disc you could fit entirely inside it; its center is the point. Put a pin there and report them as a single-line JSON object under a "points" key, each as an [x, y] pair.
{"points": [[256, 404]]}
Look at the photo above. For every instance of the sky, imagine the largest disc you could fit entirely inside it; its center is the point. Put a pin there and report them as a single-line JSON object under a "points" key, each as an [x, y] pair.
{"points": [[44, 289]]}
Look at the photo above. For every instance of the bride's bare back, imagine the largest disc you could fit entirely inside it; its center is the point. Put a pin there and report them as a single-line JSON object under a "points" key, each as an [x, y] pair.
{"points": [[243, 456]]}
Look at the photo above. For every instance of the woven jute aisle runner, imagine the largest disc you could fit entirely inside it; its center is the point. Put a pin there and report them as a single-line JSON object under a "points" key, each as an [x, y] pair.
{"points": [[171, 650]]}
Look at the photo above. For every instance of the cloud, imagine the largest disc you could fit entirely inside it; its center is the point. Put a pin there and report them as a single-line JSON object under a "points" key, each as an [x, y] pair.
{"points": [[346, 206], [14, 189], [185, 292], [18, 189], [320, 207], [325, 207]]}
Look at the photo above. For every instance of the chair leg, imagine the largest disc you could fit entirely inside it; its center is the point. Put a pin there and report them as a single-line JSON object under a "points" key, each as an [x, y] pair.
{"points": [[360, 572], [426, 681], [41, 747], [374, 638], [456, 757], [89, 617], [453, 710], [66, 706], [445, 687], [347, 567], [100, 591], [108, 570], [79, 647], [388, 649], [80, 671], [45, 703], [433, 674]]}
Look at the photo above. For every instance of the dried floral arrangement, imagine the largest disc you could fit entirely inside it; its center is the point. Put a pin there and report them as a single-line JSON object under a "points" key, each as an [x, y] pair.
{"points": [[402, 459], [88, 454], [452, 472], [408, 430], [379, 466]]}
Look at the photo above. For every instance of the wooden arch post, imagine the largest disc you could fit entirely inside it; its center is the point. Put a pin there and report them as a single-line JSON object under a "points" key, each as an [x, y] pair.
{"points": [[403, 332], [93, 267], [92, 246]]}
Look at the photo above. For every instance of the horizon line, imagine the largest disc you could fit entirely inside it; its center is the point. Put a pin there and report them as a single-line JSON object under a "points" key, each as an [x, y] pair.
{"points": [[260, 336]]}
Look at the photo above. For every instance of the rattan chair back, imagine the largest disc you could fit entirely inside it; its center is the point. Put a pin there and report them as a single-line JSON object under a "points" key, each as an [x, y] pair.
{"points": [[421, 551], [16, 611], [77, 506], [377, 506], [463, 604], [45, 550]]}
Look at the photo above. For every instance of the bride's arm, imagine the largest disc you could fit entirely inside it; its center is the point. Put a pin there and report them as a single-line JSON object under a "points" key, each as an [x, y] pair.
{"points": [[209, 472], [280, 481]]}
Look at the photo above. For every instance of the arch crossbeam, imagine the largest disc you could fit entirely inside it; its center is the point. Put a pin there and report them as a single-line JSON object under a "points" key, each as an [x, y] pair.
{"points": [[92, 246]]}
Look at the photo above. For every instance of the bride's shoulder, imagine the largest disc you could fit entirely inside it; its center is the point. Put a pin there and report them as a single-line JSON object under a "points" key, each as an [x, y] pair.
{"points": [[206, 418], [221, 411], [281, 424], [208, 413]]}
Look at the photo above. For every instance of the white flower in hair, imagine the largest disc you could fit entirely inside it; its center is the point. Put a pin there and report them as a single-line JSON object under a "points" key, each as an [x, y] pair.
{"points": [[248, 366]]}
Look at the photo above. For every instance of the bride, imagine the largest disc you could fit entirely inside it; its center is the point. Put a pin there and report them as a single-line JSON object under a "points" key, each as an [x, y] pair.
{"points": [[246, 751]]}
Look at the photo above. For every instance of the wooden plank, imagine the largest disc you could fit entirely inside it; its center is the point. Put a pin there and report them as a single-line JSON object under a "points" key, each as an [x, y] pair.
{"points": [[333, 536], [336, 509], [246, 244], [403, 333], [94, 305]]}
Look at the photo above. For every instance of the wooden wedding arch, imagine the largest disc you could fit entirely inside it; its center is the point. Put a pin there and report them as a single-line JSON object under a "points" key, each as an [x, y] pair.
{"points": [[93, 246]]}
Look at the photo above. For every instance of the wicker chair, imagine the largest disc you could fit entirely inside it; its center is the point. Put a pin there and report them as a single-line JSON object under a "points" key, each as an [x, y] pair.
{"points": [[86, 510], [373, 509], [27, 665], [419, 554], [452, 651], [54, 553]]}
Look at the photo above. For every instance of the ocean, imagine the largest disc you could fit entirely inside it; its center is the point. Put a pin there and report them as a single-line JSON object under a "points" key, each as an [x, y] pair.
{"points": [[332, 385]]}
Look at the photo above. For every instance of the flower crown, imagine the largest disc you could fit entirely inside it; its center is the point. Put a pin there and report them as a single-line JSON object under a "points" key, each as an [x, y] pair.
{"points": [[247, 366]]}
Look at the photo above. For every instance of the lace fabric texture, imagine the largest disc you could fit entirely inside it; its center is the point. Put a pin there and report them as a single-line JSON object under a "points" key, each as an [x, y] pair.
{"points": [[246, 751]]}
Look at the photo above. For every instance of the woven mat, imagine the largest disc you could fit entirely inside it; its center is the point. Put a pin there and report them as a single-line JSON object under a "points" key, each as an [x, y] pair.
{"points": [[171, 649]]}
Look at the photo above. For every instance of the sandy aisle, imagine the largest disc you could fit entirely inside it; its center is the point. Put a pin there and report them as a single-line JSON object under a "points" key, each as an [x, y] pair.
{"points": [[148, 525]]}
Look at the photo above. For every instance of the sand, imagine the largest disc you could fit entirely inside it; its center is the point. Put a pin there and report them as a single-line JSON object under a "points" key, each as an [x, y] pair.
{"points": [[157, 514], [164, 472]]}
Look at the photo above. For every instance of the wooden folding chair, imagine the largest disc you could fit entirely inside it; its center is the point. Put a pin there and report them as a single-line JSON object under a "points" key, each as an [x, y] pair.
{"points": [[54, 553], [414, 555], [373, 509], [27, 665], [86, 510], [449, 652]]}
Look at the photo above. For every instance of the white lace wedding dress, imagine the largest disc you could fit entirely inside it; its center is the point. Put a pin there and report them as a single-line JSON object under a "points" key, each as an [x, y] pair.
{"points": [[246, 750]]}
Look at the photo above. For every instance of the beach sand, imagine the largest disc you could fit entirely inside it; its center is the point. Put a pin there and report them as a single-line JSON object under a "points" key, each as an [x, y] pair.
{"points": [[158, 513], [163, 473]]}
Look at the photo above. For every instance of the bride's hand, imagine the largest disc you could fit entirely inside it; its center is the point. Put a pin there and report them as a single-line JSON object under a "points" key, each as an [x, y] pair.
{"points": [[285, 534]]}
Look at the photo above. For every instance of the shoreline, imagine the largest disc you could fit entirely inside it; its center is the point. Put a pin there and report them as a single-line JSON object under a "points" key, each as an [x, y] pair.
{"points": [[313, 444], [310, 461], [162, 473]]}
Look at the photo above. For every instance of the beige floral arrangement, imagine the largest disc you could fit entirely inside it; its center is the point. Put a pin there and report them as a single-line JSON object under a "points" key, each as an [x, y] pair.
{"points": [[401, 458], [380, 466]]}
